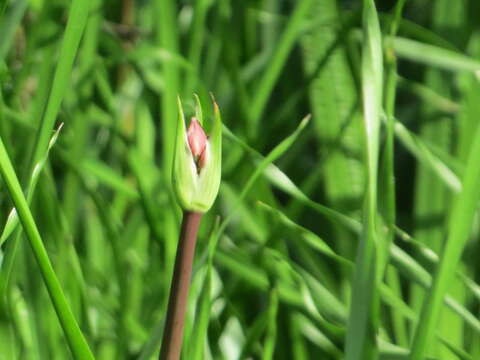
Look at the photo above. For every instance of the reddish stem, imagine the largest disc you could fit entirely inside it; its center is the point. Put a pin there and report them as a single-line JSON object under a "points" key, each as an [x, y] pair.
{"points": [[177, 302]]}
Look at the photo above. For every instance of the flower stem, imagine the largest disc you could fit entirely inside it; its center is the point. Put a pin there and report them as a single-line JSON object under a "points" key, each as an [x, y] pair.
{"points": [[173, 331]]}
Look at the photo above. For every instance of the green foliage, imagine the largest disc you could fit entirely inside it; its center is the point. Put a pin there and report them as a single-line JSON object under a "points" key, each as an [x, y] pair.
{"points": [[350, 236]]}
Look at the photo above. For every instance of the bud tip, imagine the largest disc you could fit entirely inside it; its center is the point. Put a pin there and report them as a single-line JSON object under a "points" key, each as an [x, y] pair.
{"points": [[197, 140]]}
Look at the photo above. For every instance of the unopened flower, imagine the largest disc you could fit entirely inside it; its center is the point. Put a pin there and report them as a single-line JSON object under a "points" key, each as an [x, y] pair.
{"points": [[197, 140], [197, 161]]}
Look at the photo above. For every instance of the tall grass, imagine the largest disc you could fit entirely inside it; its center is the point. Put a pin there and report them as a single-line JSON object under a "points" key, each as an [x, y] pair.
{"points": [[349, 236]]}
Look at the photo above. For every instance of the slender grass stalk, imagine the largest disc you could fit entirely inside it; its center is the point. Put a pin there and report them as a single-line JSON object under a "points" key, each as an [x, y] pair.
{"points": [[337, 124], [431, 196], [76, 341], [81, 128], [9, 25], [459, 230], [434, 56], [197, 42], [279, 58], [372, 253], [73, 33], [390, 92], [202, 317], [271, 331], [76, 24], [167, 37], [391, 77], [173, 331]]}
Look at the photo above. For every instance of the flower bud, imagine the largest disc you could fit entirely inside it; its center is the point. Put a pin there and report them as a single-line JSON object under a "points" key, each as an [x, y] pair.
{"points": [[197, 140], [197, 161], [196, 137]]}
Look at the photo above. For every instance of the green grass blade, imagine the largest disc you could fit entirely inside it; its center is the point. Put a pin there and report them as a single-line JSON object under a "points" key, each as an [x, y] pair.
{"points": [[313, 240], [202, 318], [168, 39], [107, 176], [78, 344], [429, 96], [425, 156], [197, 42], [77, 20], [278, 151], [434, 56], [280, 180], [459, 229], [279, 57], [76, 24], [371, 254], [334, 100], [271, 331], [9, 25], [12, 219], [254, 334], [197, 344], [388, 205]]}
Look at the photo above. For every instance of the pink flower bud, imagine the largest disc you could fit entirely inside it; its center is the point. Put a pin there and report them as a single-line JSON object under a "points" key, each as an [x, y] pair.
{"points": [[197, 140]]}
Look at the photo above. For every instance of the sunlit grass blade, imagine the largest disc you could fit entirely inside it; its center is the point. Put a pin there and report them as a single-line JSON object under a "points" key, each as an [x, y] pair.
{"points": [[200, 333], [431, 196], [389, 201], [459, 353], [317, 337], [257, 278], [22, 320], [459, 229], [280, 180], [434, 55], [76, 341], [77, 20], [372, 251], [339, 170], [8, 259], [73, 33], [202, 318], [12, 219], [253, 335], [278, 151], [271, 331], [400, 260], [314, 241], [425, 156], [429, 96]]}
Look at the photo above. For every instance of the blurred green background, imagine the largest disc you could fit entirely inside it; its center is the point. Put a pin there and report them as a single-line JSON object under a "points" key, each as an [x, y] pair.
{"points": [[278, 282]]}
